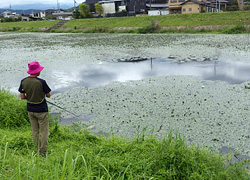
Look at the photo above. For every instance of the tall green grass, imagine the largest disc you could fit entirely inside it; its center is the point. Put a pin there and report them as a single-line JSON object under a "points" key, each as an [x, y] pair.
{"points": [[12, 111], [224, 22], [31, 26], [238, 29], [201, 19], [75, 153]]}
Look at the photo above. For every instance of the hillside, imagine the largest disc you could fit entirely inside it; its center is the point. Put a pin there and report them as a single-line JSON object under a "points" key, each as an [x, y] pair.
{"points": [[204, 19], [180, 23]]}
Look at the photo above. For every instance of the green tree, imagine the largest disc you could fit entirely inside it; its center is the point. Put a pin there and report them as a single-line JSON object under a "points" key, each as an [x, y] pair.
{"points": [[246, 7], [84, 10], [234, 6], [76, 14], [51, 17], [19, 18], [99, 9]]}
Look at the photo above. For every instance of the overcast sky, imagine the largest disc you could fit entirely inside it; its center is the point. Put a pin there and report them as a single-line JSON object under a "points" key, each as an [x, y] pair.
{"points": [[6, 3]]}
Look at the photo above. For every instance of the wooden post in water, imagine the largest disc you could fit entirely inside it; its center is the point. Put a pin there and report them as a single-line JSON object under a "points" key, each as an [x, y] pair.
{"points": [[151, 64]]}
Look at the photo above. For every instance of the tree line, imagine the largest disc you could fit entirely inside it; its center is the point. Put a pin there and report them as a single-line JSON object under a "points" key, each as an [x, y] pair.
{"points": [[84, 11]]}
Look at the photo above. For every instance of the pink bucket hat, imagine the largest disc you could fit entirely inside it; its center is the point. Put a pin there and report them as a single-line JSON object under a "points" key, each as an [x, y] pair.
{"points": [[34, 67]]}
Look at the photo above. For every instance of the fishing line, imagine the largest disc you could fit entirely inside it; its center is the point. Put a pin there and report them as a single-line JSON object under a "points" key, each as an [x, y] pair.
{"points": [[53, 104]]}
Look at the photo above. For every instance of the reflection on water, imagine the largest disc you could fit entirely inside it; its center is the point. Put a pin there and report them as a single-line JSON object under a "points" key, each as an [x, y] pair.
{"points": [[101, 74]]}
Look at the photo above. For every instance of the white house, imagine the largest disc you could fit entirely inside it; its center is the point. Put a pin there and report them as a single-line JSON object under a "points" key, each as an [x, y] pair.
{"points": [[157, 9], [112, 6], [158, 12], [8, 14], [40, 14], [63, 15]]}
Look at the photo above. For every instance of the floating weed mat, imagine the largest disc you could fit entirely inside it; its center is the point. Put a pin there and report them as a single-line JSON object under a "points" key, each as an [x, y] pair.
{"points": [[80, 155], [13, 111], [209, 113]]}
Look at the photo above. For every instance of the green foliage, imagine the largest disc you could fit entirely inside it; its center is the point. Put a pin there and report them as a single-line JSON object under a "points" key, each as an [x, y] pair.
{"points": [[233, 7], [51, 17], [75, 153], [31, 26], [10, 19], [76, 14], [80, 155], [13, 112], [99, 9], [193, 23], [246, 7], [99, 30], [202, 19], [84, 10], [236, 30], [147, 29]]}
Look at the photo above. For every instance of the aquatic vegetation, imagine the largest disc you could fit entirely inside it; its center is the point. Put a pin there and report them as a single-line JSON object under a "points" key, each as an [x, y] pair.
{"points": [[208, 113]]}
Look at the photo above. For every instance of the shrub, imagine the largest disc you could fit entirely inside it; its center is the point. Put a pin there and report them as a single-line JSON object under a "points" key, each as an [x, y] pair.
{"points": [[13, 111], [246, 7], [16, 28], [236, 30], [147, 29], [99, 30]]}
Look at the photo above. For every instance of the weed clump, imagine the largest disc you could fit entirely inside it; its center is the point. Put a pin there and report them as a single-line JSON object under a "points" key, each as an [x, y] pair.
{"points": [[236, 30], [152, 28], [13, 111]]}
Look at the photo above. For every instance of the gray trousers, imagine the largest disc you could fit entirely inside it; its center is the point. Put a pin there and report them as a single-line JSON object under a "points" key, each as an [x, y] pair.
{"points": [[40, 124]]}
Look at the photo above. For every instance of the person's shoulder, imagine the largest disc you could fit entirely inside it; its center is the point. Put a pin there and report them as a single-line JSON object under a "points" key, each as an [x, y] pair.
{"points": [[40, 79], [24, 79]]}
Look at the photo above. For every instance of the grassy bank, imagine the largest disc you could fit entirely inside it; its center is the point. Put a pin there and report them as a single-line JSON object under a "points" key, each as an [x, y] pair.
{"points": [[31, 26], [225, 22], [203, 19], [74, 153]]}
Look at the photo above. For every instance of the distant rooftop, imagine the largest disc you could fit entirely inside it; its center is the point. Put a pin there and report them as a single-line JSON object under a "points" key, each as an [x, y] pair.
{"points": [[157, 5]]}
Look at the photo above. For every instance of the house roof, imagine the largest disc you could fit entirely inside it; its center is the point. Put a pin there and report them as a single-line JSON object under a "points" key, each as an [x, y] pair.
{"points": [[63, 14], [219, 1], [89, 2], [157, 5], [193, 1]]}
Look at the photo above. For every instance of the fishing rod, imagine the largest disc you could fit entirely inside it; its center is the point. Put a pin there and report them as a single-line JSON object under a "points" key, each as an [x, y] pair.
{"points": [[63, 109], [89, 127]]}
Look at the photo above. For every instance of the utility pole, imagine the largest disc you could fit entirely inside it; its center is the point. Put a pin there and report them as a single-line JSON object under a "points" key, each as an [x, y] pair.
{"points": [[58, 6], [216, 6], [134, 6], [219, 5], [10, 6]]}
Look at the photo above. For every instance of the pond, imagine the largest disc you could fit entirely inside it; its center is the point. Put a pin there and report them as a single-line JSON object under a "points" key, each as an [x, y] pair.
{"points": [[104, 73]]}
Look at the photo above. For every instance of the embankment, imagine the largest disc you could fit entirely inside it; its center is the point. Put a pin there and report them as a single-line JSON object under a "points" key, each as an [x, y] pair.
{"points": [[225, 23]]}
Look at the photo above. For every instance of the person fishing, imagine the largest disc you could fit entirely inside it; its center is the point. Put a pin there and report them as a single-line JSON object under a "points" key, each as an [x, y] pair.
{"points": [[34, 90]]}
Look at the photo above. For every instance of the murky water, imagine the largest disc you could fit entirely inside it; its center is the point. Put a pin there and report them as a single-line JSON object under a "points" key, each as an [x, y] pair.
{"points": [[101, 74]]}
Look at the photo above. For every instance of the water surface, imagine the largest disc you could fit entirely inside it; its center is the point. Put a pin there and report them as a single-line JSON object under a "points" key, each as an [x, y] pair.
{"points": [[104, 73]]}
